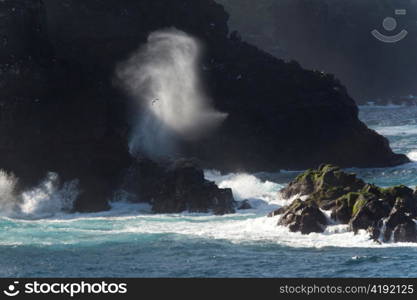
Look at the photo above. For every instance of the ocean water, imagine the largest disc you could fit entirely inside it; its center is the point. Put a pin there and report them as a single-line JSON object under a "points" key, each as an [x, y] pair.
{"points": [[38, 239]]}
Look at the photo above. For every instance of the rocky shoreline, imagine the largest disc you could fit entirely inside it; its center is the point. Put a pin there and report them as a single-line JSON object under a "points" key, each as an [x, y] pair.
{"points": [[61, 110], [387, 214]]}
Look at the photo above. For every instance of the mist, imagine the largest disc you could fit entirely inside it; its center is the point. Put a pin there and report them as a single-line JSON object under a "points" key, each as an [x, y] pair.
{"points": [[170, 104]]}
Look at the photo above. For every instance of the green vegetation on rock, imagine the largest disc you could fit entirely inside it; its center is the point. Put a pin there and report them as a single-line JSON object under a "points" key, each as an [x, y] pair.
{"points": [[351, 201]]}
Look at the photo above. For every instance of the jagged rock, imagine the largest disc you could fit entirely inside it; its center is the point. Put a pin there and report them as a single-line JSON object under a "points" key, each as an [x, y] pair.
{"points": [[288, 28], [49, 121], [400, 223], [305, 103], [303, 217], [326, 183], [369, 215], [405, 232], [383, 212], [408, 201], [277, 212], [244, 205], [179, 186], [343, 208]]}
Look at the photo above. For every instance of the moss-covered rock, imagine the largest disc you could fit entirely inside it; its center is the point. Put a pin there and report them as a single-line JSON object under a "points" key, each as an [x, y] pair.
{"points": [[328, 182], [385, 212], [344, 207]]}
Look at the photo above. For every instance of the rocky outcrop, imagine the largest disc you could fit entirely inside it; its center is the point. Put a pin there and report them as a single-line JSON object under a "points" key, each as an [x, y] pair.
{"points": [[61, 111], [50, 120], [304, 217], [274, 108], [388, 214], [174, 187]]}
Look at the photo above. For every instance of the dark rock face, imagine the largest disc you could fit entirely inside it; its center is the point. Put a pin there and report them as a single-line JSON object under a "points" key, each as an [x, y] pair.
{"points": [[301, 30], [51, 122], [261, 95], [264, 95], [60, 110], [304, 217], [277, 212], [388, 214], [180, 186], [405, 232], [369, 215]]}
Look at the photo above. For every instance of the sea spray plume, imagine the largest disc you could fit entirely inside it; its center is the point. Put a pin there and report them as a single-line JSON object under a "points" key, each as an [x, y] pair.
{"points": [[50, 197], [8, 198], [163, 79], [47, 199]]}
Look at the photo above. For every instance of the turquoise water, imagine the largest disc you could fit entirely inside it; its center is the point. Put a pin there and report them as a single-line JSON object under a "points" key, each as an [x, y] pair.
{"points": [[130, 242]]}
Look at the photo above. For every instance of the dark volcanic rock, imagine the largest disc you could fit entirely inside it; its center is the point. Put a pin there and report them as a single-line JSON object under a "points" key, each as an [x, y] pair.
{"points": [[369, 215], [327, 183], [304, 217], [406, 232], [51, 122], [400, 224], [278, 212], [180, 186], [302, 29], [268, 101], [389, 213]]}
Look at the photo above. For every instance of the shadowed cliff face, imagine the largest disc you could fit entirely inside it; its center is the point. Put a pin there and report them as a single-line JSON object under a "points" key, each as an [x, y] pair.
{"points": [[334, 36], [62, 109]]}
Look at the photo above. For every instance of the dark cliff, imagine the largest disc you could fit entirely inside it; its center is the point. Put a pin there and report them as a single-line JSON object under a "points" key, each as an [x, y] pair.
{"points": [[335, 36], [61, 111]]}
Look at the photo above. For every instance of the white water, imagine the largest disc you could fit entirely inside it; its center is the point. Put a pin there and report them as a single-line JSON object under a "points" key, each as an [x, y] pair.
{"points": [[403, 130], [412, 155], [164, 81], [246, 226], [47, 199]]}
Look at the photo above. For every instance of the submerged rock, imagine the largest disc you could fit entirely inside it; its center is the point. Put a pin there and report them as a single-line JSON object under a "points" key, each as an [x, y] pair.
{"points": [[388, 214]]}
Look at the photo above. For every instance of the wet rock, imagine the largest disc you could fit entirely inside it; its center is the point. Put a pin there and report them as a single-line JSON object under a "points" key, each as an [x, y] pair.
{"points": [[325, 183], [406, 232], [278, 212], [369, 215], [400, 224], [386, 213], [174, 187], [303, 217], [244, 205], [343, 208]]}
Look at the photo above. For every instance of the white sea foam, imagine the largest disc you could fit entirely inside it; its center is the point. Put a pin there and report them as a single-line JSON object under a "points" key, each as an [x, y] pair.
{"points": [[403, 130], [245, 186], [412, 155], [125, 221]]}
